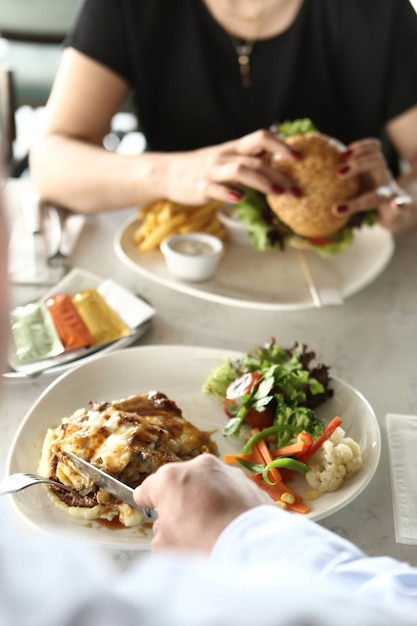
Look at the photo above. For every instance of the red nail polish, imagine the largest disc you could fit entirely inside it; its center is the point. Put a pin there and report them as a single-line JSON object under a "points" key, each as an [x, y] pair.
{"points": [[296, 192], [342, 209], [264, 155], [296, 154], [277, 189], [345, 155], [235, 196], [344, 169]]}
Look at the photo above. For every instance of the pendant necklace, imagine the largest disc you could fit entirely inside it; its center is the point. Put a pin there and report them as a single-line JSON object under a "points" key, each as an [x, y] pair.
{"points": [[243, 49], [247, 23]]}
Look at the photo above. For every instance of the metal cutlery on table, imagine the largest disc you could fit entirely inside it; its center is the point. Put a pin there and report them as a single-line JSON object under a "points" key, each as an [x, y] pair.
{"points": [[40, 232], [59, 258], [42, 242], [32, 215]]}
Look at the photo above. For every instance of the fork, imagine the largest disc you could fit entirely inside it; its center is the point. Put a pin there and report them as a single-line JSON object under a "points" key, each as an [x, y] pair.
{"points": [[18, 482]]}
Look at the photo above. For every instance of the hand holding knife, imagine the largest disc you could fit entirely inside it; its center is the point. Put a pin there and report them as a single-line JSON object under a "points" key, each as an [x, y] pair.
{"points": [[112, 485]]}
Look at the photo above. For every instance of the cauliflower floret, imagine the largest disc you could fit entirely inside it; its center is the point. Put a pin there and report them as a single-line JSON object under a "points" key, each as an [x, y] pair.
{"points": [[338, 458]]}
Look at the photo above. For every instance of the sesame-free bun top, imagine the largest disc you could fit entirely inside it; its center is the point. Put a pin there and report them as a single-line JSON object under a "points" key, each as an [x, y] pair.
{"points": [[315, 176]]}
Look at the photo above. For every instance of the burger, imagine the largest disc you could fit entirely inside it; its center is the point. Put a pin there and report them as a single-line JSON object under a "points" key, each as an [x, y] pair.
{"points": [[275, 221]]}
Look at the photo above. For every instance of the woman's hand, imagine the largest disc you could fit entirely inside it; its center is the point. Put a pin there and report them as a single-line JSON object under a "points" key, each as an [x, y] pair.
{"points": [[220, 172], [397, 209], [196, 500]]}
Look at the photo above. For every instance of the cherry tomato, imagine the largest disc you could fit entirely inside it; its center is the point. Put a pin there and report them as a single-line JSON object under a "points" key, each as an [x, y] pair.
{"points": [[258, 419], [241, 387]]}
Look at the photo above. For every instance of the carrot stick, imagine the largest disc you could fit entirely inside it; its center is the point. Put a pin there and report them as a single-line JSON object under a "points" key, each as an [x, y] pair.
{"points": [[263, 455], [304, 442], [327, 432], [261, 449], [234, 458], [276, 491]]}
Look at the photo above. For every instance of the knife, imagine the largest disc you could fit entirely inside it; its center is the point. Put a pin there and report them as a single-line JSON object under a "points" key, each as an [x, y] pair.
{"points": [[112, 485]]}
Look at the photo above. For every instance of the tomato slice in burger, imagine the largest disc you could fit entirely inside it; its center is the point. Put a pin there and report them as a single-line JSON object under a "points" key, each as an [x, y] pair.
{"points": [[319, 241], [243, 386]]}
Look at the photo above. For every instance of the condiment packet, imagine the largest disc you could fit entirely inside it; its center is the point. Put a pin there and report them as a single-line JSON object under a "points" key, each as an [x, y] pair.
{"points": [[70, 326], [118, 316], [34, 334], [101, 320], [402, 440], [131, 310]]}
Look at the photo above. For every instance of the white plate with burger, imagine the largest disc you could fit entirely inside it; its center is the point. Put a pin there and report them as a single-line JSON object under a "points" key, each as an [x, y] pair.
{"points": [[180, 372], [269, 280], [337, 259]]}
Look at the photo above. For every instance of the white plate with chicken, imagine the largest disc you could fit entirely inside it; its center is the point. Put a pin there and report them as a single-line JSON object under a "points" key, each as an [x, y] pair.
{"points": [[179, 373]]}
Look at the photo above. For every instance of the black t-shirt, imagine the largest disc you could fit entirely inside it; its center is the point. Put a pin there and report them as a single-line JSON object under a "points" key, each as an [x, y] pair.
{"points": [[349, 65]]}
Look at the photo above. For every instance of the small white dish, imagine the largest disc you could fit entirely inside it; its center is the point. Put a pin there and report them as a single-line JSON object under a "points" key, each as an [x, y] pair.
{"points": [[192, 256], [236, 230]]}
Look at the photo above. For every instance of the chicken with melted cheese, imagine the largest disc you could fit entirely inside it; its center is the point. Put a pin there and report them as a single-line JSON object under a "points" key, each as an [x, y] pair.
{"points": [[129, 439]]}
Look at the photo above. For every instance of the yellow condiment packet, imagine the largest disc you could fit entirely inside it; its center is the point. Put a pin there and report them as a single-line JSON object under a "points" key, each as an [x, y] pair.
{"points": [[101, 320]]}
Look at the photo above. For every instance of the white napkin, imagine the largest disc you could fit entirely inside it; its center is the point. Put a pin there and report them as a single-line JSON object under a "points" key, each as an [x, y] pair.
{"points": [[402, 443], [22, 253]]}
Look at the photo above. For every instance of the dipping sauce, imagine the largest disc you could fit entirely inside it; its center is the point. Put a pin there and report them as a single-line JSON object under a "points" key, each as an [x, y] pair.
{"points": [[192, 256], [192, 247]]}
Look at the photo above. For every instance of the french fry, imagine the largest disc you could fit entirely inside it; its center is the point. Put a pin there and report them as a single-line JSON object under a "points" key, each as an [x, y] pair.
{"points": [[201, 217], [193, 225], [165, 213], [161, 231], [217, 229], [164, 217], [205, 211], [150, 208]]}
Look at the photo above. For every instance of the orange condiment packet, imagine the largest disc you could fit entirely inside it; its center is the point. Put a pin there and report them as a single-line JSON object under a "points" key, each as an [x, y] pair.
{"points": [[70, 326]]}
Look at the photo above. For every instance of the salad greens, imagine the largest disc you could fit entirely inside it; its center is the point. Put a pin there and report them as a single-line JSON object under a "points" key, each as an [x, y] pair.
{"points": [[295, 127], [291, 387], [257, 217]]}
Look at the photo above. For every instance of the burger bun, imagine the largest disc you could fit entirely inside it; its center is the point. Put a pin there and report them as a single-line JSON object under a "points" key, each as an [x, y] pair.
{"points": [[315, 176]]}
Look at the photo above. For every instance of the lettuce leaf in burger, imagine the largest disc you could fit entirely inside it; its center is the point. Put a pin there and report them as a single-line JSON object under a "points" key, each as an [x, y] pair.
{"points": [[276, 221]]}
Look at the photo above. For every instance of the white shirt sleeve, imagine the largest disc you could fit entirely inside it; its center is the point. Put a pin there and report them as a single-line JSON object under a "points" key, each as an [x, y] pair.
{"points": [[268, 568], [299, 547]]}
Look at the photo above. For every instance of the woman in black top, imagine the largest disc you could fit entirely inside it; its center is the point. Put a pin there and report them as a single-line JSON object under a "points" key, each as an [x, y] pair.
{"points": [[209, 78]]}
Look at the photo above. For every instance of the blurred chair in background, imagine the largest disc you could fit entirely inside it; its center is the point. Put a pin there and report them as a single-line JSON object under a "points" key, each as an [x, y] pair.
{"points": [[7, 122], [31, 34]]}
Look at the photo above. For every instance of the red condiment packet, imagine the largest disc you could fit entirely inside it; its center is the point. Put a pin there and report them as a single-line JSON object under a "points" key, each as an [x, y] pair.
{"points": [[69, 324]]}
